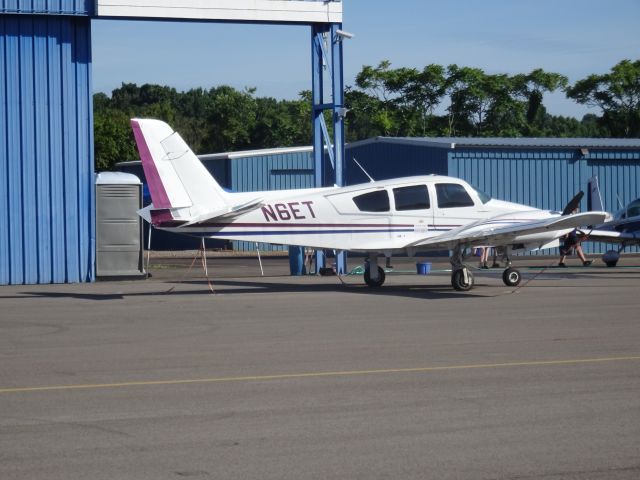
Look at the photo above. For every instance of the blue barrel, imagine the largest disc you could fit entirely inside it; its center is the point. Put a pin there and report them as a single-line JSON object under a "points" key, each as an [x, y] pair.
{"points": [[296, 260], [423, 268]]}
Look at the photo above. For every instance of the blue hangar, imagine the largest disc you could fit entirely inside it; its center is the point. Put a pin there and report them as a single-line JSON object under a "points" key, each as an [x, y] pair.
{"points": [[543, 172], [47, 204], [47, 199]]}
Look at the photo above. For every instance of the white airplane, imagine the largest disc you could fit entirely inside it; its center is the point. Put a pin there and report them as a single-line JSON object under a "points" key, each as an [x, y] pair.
{"points": [[404, 215]]}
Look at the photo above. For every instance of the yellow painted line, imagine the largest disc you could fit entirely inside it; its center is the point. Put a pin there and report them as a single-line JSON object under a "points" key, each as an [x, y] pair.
{"points": [[288, 376]]}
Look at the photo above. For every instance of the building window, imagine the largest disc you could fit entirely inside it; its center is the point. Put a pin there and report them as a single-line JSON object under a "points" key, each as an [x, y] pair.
{"points": [[377, 201], [415, 197], [452, 195]]}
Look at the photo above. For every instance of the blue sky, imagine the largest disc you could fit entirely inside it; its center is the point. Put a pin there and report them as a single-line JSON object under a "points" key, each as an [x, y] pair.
{"points": [[572, 37]]}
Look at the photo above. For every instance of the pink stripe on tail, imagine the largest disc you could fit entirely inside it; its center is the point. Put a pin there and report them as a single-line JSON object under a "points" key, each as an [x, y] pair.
{"points": [[159, 195], [162, 218]]}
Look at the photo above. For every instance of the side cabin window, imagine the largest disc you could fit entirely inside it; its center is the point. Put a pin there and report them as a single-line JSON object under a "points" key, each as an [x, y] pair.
{"points": [[415, 197], [377, 201], [452, 195]]}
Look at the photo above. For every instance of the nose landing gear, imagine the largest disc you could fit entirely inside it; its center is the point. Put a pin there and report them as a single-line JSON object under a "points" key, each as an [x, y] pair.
{"points": [[378, 281], [374, 275]]}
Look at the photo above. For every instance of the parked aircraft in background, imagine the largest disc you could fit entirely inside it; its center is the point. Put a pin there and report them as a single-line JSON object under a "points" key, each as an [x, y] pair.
{"points": [[623, 229], [404, 215]]}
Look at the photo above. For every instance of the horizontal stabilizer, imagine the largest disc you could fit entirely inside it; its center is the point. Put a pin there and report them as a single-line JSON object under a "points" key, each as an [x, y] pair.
{"points": [[226, 213]]}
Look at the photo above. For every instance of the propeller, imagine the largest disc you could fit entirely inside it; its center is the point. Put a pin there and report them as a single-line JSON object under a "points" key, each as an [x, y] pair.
{"points": [[573, 204]]}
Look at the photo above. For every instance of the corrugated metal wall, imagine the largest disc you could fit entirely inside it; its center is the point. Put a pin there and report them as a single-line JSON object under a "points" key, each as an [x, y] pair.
{"points": [[271, 172], [46, 150], [548, 179], [384, 160], [56, 7]]}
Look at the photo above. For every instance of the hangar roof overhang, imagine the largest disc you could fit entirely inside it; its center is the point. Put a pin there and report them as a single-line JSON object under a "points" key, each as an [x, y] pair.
{"points": [[238, 154], [242, 11], [495, 142]]}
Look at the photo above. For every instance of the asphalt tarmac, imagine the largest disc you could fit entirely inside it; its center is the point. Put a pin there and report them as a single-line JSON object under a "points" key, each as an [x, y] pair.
{"points": [[279, 377]]}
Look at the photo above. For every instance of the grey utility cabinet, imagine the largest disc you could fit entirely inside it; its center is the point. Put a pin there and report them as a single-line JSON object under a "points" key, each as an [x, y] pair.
{"points": [[119, 246]]}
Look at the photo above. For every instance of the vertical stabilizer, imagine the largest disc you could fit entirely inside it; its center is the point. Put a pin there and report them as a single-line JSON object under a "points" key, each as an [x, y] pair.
{"points": [[594, 199], [178, 182]]}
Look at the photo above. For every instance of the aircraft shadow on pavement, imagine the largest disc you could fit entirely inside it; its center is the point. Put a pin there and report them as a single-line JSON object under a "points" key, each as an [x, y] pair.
{"points": [[245, 287], [74, 295]]}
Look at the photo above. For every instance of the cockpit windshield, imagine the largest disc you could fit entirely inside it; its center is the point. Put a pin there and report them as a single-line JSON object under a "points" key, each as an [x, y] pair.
{"points": [[633, 209], [484, 198]]}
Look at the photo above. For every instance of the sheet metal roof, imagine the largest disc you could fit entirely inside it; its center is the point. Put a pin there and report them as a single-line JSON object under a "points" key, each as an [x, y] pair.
{"points": [[443, 142], [469, 142]]}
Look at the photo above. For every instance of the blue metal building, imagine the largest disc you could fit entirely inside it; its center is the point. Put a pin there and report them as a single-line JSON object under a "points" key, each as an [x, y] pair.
{"points": [[47, 206], [46, 142]]}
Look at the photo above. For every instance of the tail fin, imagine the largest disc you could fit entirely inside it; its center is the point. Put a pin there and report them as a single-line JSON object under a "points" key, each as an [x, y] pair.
{"points": [[594, 199], [181, 187]]}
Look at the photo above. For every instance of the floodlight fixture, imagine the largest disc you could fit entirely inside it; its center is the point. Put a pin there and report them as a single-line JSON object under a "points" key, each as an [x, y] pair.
{"points": [[342, 34]]}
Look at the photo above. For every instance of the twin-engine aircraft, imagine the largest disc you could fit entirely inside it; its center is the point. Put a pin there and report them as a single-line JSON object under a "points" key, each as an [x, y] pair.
{"points": [[405, 215]]}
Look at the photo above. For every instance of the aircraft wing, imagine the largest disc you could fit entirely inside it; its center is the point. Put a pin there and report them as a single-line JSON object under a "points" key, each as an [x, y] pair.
{"points": [[612, 236], [489, 232]]}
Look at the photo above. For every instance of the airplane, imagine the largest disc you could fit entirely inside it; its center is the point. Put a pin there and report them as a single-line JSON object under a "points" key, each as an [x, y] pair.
{"points": [[622, 229], [405, 215]]}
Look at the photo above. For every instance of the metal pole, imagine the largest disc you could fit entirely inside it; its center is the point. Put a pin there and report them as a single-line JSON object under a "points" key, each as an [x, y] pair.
{"points": [[204, 259], [317, 94], [148, 250], [259, 259], [339, 112]]}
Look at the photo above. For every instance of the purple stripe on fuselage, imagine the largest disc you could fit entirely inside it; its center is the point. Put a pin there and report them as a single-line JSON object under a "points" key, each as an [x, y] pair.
{"points": [[285, 232], [159, 195], [289, 224]]}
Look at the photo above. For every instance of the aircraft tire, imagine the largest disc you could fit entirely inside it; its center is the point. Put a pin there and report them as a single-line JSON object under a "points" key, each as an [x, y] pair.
{"points": [[611, 258], [374, 283], [458, 282], [511, 277]]}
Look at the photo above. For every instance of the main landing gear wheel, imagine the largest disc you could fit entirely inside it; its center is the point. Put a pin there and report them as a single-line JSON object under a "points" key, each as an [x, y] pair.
{"points": [[611, 258], [459, 282], [378, 281], [511, 277]]}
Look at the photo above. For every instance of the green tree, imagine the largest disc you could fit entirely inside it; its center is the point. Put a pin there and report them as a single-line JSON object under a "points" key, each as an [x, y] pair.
{"points": [[530, 88], [364, 116], [380, 83], [230, 119], [617, 94], [419, 91], [280, 123], [113, 140], [479, 102], [383, 101]]}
